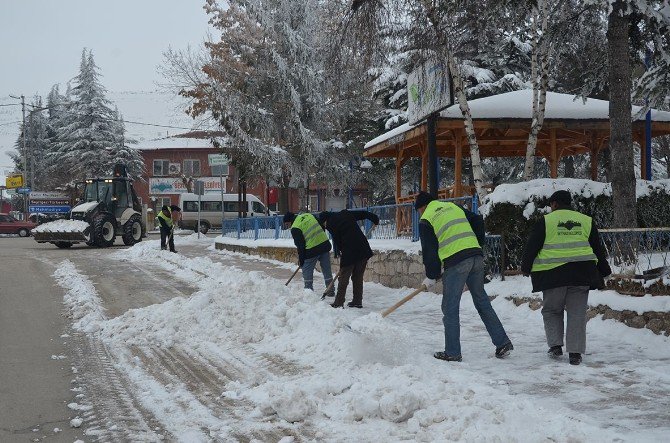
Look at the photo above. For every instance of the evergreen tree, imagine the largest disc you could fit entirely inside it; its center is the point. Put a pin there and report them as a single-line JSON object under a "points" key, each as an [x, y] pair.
{"points": [[88, 132], [37, 146]]}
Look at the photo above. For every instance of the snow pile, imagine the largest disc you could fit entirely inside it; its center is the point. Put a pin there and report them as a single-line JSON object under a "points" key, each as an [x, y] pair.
{"points": [[525, 193], [317, 371], [80, 298], [62, 226]]}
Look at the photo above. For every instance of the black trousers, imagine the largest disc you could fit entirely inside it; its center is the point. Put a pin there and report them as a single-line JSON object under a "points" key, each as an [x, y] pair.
{"points": [[355, 272], [166, 234]]}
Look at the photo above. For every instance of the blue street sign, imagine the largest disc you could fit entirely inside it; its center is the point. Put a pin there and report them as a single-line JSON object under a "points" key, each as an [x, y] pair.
{"points": [[23, 190], [46, 209]]}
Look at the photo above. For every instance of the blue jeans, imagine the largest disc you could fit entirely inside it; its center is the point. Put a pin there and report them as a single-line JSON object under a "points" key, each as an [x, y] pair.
{"points": [[470, 271], [308, 269]]}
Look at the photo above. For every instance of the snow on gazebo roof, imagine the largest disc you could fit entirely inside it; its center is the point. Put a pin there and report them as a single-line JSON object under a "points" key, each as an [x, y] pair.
{"points": [[517, 105]]}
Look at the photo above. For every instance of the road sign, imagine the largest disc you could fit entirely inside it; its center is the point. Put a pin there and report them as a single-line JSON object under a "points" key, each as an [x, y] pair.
{"points": [[48, 209], [199, 187], [218, 159], [36, 195], [14, 181], [23, 190], [429, 90]]}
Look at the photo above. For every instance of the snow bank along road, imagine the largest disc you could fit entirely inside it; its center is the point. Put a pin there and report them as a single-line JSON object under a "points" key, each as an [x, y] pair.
{"points": [[207, 345]]}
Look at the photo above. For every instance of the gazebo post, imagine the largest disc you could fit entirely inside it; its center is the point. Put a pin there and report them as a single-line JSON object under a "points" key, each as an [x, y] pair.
{"points": [[594, 147], [553, 161], [642, 142], [424, 168], [458, 169]]}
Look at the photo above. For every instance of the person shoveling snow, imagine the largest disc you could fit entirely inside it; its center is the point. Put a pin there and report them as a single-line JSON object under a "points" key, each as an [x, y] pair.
{"points": [[452, 237]]}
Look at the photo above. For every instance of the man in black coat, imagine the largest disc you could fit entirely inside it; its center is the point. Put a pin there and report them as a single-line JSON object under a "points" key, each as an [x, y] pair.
{"points": [[350, 242], [565, 259]]}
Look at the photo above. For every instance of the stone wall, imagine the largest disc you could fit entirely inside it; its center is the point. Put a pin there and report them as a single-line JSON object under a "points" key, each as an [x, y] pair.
{"points": [[657, 322], [394, 269]]}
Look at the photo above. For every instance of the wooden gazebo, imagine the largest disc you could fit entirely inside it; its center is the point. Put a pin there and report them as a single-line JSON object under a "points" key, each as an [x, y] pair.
{"points": [[502, 123]]}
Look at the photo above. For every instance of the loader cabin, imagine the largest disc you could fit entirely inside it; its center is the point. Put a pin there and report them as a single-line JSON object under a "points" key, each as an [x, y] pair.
{"points": [[502, 123], [116, 192]]}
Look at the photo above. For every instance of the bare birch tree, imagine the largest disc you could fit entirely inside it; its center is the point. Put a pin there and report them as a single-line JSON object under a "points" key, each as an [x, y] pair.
{"points": [[539, 80]]}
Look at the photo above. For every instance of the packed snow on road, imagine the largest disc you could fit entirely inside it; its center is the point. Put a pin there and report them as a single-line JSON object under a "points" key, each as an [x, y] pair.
{"points": [[247, 357]]}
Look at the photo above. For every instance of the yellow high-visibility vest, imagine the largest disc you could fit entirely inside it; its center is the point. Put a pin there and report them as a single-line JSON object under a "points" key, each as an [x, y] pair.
{"points": [[167, 218], [566, 240], [452, 229], [311, 230]]}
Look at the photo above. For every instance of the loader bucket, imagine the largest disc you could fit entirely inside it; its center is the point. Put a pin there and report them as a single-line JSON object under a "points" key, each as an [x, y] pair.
{"points": [[69, 231]]}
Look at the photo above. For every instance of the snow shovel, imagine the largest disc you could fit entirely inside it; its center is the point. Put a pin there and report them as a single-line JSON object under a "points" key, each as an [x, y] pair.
{"points": [[292, 275], [332, 282], [401, 302], [367, 234]]}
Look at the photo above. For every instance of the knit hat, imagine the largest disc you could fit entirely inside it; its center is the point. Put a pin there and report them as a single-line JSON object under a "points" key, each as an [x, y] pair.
{"points": [[422, 199], [175, 208], [563, 198], [288, 217]]}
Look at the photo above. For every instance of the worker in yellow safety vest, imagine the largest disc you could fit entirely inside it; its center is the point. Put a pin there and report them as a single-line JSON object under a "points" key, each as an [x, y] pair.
{"points": [[565, 259], [166, 223], [452, 237], [313, 246]]}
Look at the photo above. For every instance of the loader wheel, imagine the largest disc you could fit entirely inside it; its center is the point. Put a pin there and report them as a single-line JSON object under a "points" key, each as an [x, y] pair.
{"points": [[132, 231], [63, 244], [103, 230]]}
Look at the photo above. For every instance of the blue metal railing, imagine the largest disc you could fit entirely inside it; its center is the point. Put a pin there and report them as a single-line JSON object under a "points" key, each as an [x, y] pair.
{"points": [[395, 221]]}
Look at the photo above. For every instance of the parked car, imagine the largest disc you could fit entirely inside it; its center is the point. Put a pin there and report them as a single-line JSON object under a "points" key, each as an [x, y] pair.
{"points": [[10, 225]]}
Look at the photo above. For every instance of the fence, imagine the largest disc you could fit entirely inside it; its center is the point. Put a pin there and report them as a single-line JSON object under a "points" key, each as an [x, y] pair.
{"points": [[395, 221], [640, 253]]}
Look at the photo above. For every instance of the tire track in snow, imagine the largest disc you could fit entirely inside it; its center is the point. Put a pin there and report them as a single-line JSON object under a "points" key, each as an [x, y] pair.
{"points": [[115, 415], [206, 381]]}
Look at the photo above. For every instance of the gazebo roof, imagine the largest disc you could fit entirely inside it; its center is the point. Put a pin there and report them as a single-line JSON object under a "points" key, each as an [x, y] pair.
{"points": [[516, 107]]}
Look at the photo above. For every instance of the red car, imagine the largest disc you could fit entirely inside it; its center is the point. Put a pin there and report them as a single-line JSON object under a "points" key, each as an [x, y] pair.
{"points": [[10, 225]]}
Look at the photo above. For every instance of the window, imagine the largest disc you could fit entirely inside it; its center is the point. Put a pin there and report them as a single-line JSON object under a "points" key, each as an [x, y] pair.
{"points": [[232, 206], [5, 218], [211, 206], [161, 168], [192, 168], [257, 208], [162, 201], [190, 206]]}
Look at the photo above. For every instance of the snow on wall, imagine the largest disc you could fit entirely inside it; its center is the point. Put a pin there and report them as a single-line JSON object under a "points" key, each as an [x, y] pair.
{"points": [[522, 193]]}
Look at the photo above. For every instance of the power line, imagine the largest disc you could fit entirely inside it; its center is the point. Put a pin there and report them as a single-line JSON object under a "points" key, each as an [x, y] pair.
{"points": [[157, 125], [11, 104]]}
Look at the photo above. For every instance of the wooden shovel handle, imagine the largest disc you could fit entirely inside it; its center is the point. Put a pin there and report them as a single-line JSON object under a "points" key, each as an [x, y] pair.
{"points": [[404, 300], [332, 282], [293, 275]]}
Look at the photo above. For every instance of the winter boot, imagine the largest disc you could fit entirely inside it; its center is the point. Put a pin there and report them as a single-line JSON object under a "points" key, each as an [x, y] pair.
{"points": [[443, 356], [336, 306], [555, 351], [575, 358], [354, 305], [503, 351]]}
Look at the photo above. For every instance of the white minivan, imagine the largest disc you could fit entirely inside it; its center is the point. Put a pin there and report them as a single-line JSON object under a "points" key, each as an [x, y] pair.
{"points": [[210, 209]]}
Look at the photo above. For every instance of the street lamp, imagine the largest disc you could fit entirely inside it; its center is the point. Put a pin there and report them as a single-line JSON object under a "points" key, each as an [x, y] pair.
{"points": [[365, 164]]}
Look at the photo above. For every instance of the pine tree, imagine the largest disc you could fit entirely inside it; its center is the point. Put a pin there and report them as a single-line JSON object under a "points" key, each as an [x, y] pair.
{"points": [[87, 134], [37, 146]]}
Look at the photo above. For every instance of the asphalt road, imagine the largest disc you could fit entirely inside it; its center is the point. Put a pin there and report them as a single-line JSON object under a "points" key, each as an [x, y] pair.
{"points": [[35, 372]]}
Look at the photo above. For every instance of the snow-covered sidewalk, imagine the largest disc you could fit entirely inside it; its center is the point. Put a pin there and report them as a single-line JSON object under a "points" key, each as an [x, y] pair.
{"points": [[279, 362]]}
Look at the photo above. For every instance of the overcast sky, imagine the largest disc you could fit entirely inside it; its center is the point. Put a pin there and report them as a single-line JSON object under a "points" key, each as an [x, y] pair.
{"points": [[41, 43]]}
